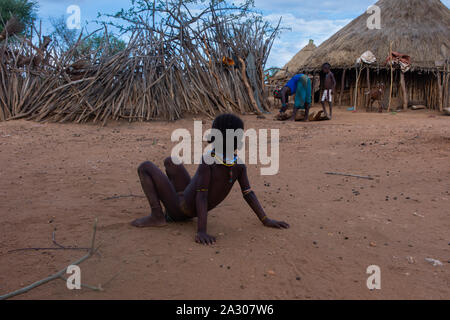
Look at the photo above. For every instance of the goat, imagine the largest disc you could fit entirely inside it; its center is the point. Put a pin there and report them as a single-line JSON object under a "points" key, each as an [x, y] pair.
{"points": [[376, 94]]}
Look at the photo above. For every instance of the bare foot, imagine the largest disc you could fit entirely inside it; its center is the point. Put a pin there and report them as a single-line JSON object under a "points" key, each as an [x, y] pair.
{"points": [[149, 222]]}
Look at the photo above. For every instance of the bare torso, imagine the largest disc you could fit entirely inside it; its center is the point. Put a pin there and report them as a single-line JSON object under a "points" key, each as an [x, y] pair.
{"points": [[329, 81], [219, 186]]}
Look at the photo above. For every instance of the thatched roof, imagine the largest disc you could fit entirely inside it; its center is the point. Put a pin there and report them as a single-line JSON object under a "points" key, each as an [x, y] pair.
{"points": [[419, 28], [298, 61]]}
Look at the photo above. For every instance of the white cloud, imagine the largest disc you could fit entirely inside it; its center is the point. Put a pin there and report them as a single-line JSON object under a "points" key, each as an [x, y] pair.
{"points": [[308, 19], [301, 30]]}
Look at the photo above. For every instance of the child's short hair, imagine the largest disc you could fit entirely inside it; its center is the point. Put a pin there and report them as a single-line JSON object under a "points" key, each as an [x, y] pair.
{"points": [[226, 122], [326, 65]]}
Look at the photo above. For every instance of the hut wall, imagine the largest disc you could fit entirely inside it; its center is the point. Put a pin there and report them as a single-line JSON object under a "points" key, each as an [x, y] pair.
{"points": [[422, 88]]}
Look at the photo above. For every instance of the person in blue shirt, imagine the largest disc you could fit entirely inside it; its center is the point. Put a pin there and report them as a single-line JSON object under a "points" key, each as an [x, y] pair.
{"points": [[300, 85]]}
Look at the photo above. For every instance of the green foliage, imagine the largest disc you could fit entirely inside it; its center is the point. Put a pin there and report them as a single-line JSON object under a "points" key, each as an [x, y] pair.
{"points": [[98, 42], [24, 10]]}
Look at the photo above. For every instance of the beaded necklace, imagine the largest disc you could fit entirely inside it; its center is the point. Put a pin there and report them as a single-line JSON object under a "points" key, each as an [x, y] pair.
{"points": [[224, 163]]}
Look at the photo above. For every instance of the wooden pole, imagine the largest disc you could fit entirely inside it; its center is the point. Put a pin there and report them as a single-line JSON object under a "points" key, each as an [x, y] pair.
{"points": [[313, 91], [342, 87], [368, 88], [355, 100], [358, 75], [392, 78], [247, 85], [445, 86], [351, 95], [404, 93], [439, 84]]}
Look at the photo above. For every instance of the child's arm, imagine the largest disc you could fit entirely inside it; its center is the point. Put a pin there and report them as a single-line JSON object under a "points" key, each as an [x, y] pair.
{"points": [[253, 202], [201, 202]]}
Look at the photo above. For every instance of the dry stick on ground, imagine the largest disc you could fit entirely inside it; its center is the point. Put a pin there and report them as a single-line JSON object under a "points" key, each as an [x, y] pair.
{"points": [[59, 274], [348, 175], [60, 247], [123, 196]]}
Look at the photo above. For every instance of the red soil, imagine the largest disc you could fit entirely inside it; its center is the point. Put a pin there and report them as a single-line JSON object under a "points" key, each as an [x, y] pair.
{"points": [[59, 175]]}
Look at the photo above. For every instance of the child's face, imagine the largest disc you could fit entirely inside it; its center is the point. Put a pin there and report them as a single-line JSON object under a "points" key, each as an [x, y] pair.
{"points": [[326, 69]]}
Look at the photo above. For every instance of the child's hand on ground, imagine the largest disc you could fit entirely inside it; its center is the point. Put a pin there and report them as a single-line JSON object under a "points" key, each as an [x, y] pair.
{"points": [[203, 238], [276, 224]]}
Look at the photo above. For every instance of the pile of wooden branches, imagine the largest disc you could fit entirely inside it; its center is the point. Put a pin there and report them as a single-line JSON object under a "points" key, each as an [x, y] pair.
{"points": [[175, 62]]}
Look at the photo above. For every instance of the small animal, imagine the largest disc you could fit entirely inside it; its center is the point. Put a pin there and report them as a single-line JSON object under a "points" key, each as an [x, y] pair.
{"points": [[376, 94]]}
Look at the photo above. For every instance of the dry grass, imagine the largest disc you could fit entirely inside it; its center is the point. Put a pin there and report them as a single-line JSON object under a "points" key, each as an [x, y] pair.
{"points": [[297, 62], [419, 28], [165, 71]]}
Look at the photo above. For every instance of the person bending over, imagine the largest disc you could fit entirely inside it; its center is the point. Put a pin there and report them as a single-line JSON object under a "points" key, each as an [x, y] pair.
{"points": [[300, 85]]}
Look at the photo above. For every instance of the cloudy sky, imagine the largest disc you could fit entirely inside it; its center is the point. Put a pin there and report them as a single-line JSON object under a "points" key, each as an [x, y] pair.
{"points": [[307, 19]]}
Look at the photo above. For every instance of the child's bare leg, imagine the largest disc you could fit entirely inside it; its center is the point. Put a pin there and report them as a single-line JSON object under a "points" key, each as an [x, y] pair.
{"points": [[177, 174], [157, 187], [331, 110], [324, 109]]}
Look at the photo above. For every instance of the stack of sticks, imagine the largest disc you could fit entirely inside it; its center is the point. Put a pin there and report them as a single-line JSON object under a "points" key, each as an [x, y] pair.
{"points": [[184, 63]]}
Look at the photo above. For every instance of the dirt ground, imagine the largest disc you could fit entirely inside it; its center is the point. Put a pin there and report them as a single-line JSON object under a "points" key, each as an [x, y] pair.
{"points": [[63, 176]]}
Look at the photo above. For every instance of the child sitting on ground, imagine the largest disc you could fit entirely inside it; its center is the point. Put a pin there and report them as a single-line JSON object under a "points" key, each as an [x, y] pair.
{"points": [[185, 198]]}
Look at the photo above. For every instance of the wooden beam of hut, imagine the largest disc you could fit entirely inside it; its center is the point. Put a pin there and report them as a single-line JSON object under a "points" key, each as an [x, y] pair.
{"points": [[368, 88], [446, 88], [404, 92], [439, 87], [392, 78], [342, 86]]}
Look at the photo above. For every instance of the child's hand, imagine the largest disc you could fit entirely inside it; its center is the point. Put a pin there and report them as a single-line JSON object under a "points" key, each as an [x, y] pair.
{"points": [[276, 224], [203, 238]]}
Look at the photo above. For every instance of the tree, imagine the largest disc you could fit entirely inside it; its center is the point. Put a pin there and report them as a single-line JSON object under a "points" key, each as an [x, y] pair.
{"points": [[24, 10], [66, 38], [97, 42]]}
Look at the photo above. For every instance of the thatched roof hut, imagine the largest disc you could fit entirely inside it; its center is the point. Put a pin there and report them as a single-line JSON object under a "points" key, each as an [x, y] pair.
{"points": [[298, 61], [419, 28]]}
